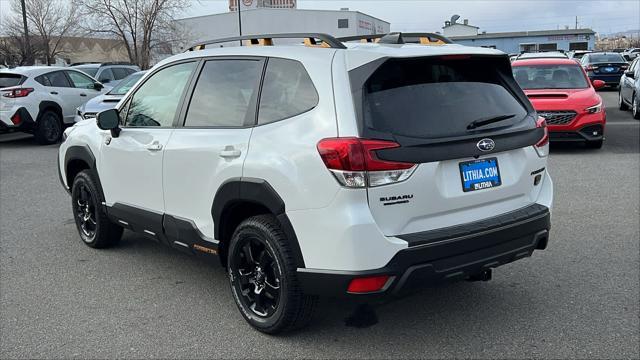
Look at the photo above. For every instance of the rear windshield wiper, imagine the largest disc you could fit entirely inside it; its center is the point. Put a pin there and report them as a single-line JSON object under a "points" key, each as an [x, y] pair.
{"points": [[486, 121]]}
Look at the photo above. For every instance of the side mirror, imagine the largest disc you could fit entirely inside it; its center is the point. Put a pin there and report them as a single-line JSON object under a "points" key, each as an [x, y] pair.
{"points": [[629, 74], [598, 84], [97, 86], [109, 120]]}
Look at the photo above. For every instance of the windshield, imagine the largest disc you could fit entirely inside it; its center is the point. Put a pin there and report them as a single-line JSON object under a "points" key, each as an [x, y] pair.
{"points": [[437, 98], [603, 58], [550, 77], [126, 84], [89, 70]]}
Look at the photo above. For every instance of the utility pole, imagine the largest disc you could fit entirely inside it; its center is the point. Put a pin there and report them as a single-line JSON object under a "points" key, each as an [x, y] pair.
{"points": [[576, 23], [239, 21], [26, 34]]}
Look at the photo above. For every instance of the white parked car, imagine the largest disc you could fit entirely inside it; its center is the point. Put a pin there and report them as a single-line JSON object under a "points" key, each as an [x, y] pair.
{"points": [[42, 100], [360, 170]]}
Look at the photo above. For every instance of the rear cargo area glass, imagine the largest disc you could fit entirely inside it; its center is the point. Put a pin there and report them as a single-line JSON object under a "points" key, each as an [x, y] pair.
{"points": [[8, 80], [437, 97]]}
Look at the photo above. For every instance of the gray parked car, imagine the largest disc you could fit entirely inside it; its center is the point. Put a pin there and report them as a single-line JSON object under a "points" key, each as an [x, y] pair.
{"points": [[108, 74], [629, 93], [108, 100]]}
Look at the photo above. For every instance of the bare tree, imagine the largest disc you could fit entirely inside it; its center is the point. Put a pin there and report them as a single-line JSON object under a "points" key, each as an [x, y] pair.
{"points": [[49, 20], [143, 25], [15, 49]]}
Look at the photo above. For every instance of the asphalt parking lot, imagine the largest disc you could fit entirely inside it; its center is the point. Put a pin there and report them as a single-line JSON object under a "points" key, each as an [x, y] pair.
{"points": [[579, 298]]}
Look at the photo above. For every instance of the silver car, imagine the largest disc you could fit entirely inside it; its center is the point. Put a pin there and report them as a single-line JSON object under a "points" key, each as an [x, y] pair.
{"points": [[108, 100]]}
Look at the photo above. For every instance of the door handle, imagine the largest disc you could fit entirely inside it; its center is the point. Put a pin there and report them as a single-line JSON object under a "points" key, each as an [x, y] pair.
{"points": [[54, 93], [230, 152], [154, 146], [83, 94]]}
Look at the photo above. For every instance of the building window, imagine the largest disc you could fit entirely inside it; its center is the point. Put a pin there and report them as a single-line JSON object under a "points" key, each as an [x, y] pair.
{"points": [[528, 47], [548, 47], [343, 23], [578, 46]]}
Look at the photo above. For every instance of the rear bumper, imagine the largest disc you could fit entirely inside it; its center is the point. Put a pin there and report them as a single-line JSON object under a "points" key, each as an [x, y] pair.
{"points": [[26, 122], [443, 255]]}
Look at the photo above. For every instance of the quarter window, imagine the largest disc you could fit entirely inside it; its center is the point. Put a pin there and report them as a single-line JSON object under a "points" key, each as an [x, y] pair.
{"points": [[80, 80], [287, 91], [224, 93], [156, 101]]}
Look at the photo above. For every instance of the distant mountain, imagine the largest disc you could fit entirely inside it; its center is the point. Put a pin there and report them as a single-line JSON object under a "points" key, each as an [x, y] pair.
{"points": [[628, 33]]}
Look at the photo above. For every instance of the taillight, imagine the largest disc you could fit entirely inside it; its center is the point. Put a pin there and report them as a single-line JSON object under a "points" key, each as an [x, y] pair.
{"points": [[16, 93], [590, 68], [354, 162], [542, 146]]}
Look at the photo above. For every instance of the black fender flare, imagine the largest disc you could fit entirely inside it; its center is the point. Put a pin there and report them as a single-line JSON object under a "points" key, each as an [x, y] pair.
{"points": [[83, 153], [257, 191], [49, 104]]}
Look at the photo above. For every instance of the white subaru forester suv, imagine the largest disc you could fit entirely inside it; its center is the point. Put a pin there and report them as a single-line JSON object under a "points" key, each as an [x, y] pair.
{"points": [[359, 170]]}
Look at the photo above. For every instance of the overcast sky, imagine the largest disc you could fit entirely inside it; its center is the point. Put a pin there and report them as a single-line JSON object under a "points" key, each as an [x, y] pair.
{"points": [[604, 16]]}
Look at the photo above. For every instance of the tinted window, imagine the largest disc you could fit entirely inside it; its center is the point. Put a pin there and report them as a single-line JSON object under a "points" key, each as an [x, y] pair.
{"points": [[56, 79], [106, 75], [80, 80], [91, 70], [550, 77], [7, 80], [156, 101], [120, 73], [125, 85], [287, 91], [223, 93], [603, 58], [343, 23], [435, 98]]}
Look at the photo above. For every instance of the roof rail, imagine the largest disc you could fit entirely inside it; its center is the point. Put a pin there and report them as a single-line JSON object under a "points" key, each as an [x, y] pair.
{"points": [[362, 38], [421, 38], [83, 63], [117, 63], [266, 39]]}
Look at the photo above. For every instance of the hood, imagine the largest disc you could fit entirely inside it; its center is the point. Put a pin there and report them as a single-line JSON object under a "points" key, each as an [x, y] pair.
{"points": [[563, 99], [100, 103]]}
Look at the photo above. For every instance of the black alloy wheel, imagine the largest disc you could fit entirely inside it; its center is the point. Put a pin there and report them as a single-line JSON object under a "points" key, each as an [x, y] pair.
{"points": [[49, 128], [84, 208]]}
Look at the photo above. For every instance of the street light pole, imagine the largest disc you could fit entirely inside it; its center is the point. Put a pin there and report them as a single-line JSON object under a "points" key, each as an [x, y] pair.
{"points": [[239, 21]]}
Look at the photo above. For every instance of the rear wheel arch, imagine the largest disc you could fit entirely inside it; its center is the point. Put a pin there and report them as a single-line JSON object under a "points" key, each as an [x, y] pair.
{"points": [[52, 106], [241, 198]]}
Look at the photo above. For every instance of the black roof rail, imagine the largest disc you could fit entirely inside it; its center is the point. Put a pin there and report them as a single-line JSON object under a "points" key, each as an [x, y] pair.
{"points": [[117, 63], [84, 63], [310, 38], [363, 38], [422, 38]]}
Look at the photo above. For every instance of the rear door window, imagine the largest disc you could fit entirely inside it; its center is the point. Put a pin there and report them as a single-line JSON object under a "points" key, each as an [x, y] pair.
{"points": [[106, 75], [54, 79], [120, 73], [287, 91], [7, 80], [224, 93], [438, 97]]}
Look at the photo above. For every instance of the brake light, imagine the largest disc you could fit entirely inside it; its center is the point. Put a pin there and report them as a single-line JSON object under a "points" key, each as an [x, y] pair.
{"points": [[368, 284], [590, 68], [16, 93], [542, 146], [354, 162]]}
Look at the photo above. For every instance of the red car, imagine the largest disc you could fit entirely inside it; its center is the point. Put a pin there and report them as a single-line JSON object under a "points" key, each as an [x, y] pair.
{"points": [[561, 92]]}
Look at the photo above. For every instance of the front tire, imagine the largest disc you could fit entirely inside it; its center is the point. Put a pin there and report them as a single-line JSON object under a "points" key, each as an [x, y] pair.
{"points": [[48, 128], [263, 278], [94, 227], [621, 105], [635, 108]]}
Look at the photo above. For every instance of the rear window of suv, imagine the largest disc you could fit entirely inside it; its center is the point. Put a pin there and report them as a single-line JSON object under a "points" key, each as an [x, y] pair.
{"points": [[7, 80], [438, 97]]}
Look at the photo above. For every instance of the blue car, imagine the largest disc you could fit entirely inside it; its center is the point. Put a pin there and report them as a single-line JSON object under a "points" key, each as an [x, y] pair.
{"points": [[605, 66]]}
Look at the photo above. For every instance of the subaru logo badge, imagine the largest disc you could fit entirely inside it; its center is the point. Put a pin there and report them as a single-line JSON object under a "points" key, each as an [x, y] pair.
{"points": [[486, 145]]}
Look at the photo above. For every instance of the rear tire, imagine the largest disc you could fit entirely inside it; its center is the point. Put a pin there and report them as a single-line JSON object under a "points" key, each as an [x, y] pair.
{"points": [[263, 277], [635, 108], [597, 144], [94, 227], [48, 128]]}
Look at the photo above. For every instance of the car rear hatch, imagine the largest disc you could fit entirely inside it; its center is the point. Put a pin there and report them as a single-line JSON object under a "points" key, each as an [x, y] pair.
{"points": [[464, 131], [9, 82]]}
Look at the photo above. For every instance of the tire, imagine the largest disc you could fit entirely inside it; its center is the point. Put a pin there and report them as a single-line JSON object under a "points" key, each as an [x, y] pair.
{"points": [[48, 128], [621, 105], [597, 144], [263, 278], [94, 227], [635, 108]]}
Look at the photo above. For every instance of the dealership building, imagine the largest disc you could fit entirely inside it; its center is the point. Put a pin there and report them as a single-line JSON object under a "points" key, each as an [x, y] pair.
{"points": [[519, 41], [280, 16]]}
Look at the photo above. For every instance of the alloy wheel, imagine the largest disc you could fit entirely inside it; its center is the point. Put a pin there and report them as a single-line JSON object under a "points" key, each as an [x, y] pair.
{"points": [[256, 277], [634, 107], [86, 213], [51, 127]]}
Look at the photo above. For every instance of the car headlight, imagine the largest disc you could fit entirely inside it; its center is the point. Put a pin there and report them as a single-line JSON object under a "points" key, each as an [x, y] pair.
{"points": [[595, 108]]}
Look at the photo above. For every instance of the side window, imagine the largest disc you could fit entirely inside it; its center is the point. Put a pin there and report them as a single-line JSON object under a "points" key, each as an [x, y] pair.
{"points": [[56, 79], [156, 101], [120, 73], [106, 75], [80, 80], [287, 91], [224, 93]]}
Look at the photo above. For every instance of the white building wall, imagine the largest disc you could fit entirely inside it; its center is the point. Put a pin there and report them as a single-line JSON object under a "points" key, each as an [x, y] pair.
{"points": [[459, 30]]}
